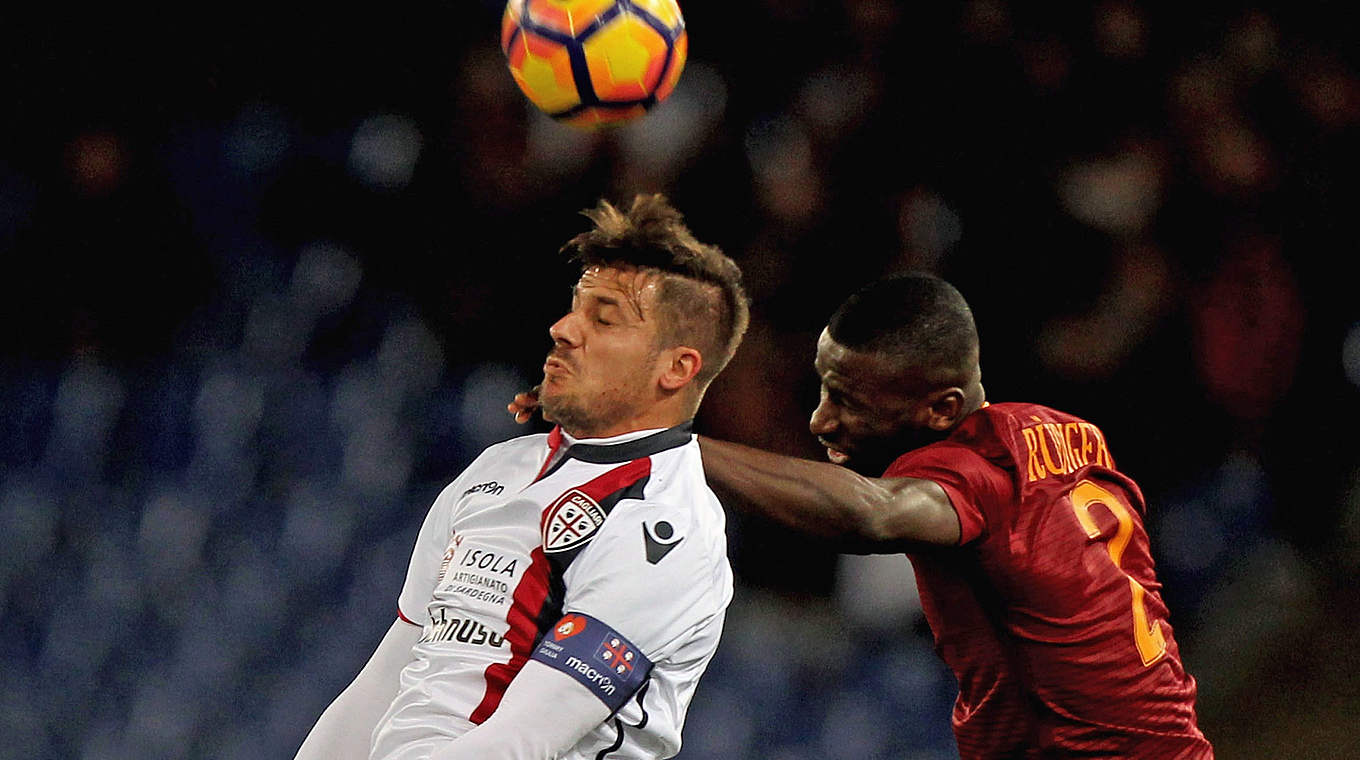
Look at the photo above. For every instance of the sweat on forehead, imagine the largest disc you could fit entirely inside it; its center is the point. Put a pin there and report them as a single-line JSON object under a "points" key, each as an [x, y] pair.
{"points": [[634, 283]]}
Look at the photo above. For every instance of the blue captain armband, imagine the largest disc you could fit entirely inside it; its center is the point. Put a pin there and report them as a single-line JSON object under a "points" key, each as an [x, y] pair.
{"points": [[597, 656]]}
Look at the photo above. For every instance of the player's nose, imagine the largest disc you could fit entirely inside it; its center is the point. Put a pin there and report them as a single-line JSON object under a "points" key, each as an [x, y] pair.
{"points": [[823, 421], [565, 330]]}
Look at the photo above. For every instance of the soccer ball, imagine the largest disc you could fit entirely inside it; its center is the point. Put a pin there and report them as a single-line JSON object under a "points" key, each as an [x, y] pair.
{"points": [[594, 62]]}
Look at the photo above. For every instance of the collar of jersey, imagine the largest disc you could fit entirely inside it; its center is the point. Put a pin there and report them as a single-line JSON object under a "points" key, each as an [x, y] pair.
{"points": [[621, 448]]}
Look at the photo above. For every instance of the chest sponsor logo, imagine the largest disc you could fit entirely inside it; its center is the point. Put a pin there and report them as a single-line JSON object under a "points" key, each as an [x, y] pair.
{"points": [[490, 562], [464, 630], [571, 521]]}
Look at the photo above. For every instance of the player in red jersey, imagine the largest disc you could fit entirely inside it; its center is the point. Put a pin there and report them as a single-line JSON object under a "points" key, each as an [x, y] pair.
{"points": [[1031, 558]]}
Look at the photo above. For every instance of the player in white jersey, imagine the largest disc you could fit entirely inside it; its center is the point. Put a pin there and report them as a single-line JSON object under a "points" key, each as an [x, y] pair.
{"points": [[567, 590], [615, 555]]}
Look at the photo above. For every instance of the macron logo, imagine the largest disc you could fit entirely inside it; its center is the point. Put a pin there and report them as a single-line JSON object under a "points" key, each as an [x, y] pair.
{"points": [[491, 487], [602, 682]]}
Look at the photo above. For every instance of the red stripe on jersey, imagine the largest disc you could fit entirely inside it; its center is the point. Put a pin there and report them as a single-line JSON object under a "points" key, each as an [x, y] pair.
{"points": [[616, 479], [402, 615], [554, 442], [608, 484], [530, 594]]}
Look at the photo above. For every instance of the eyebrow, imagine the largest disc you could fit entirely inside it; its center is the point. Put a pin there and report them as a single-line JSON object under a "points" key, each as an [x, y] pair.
{"points": [[834, 384], [576, 293], [604, 301]]}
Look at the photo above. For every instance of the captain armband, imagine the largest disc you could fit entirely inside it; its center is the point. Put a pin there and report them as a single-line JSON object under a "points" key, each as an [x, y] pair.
{"points": [[597, 656]]}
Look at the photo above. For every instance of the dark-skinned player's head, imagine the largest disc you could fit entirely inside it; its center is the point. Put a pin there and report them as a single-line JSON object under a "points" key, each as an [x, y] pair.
{"points": [[655, 317], [899, 368]]}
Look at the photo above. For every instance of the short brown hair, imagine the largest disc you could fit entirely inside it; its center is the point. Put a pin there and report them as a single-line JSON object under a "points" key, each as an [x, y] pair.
{"points": [[701, 292]]}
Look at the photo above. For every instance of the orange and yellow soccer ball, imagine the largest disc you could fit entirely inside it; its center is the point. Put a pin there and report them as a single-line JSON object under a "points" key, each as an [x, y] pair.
{"points": [[594, 62]]}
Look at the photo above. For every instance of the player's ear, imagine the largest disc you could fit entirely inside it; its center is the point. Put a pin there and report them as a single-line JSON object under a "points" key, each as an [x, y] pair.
{"points": [[681, 365], [945, 408]]}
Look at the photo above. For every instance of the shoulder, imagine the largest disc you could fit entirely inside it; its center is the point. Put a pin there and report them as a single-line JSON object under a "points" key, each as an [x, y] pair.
{"points": [[1021, 413], [531, 442], [953, 455], [676, 511], [511, 452], [679, 488], [677, 476], [498, 462], [973, 478], [1002, 432], [986, 439], [1029, 433], [650, 550]]}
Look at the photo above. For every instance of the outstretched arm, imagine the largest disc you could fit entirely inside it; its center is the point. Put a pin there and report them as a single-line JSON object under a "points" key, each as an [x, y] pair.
{"points": [[345, 729], [869, 515], [543, 714]]}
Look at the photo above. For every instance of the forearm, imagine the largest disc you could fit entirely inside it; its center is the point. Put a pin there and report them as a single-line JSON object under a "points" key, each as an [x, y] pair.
{"points": [[823, 499], [813, 497], [543, 714], [345, 730]]}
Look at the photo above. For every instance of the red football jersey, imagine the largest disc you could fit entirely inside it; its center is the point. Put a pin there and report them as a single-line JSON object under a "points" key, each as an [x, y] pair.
{"points": [[1049, 611]]}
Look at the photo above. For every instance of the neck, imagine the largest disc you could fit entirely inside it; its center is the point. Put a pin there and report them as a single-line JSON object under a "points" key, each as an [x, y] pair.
{"points": [[976, 399], [653, 420]]}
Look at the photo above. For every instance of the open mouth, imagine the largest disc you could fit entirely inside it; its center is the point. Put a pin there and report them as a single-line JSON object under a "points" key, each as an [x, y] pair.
{"points": [[835, 455]]}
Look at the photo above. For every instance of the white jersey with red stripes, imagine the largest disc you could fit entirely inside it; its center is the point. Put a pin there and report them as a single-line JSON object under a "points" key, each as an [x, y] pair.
{"points": [[539, 538]]}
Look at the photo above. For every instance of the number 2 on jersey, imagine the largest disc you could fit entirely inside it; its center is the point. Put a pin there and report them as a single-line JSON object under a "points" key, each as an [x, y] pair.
{"points": [[1147, 635]]}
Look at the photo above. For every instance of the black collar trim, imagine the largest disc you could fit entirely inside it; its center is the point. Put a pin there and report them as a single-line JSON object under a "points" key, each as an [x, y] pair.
{"points": [[629, 450]]}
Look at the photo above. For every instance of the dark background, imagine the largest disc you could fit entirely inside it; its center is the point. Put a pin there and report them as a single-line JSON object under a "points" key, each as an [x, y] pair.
{"points": [[271, 273]]}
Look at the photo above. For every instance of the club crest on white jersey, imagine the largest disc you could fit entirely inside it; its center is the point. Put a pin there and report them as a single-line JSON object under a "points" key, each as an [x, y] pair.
{"points": [[572, 520]]}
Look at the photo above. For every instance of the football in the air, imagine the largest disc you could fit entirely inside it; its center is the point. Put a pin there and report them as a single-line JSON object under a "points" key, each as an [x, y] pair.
{"points": [[594, 62]]}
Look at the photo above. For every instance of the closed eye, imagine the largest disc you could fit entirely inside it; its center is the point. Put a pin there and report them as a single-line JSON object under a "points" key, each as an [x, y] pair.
{"points": [[842, 400]]}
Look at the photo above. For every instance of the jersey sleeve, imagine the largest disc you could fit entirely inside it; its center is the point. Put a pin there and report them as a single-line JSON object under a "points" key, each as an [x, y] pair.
{"points": [[427, 558], [423, 572], [651, 575], [975, 486], [649, 588]]}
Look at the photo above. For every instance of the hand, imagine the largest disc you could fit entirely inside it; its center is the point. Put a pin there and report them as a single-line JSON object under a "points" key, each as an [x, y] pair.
{"points": [[524, 405]]}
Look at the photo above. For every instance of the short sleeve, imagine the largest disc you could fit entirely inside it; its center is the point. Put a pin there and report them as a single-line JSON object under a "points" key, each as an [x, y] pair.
{"points": [[652, 575], [975, 486]]}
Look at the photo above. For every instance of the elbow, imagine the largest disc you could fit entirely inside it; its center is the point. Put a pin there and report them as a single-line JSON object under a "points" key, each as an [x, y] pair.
{"points": [[876, 528], [868, 516]]}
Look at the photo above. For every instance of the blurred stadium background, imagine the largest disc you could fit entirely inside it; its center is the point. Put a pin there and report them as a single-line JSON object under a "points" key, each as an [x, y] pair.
{"points": [[271, 273]]}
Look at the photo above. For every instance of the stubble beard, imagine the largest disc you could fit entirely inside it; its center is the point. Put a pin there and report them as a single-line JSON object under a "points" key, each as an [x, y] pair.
{"points": [[580, 418], [589, 415]]}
